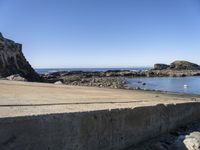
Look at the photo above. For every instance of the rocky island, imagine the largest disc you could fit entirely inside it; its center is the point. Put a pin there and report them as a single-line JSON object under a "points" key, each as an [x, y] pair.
{"points": [[175, 69]]}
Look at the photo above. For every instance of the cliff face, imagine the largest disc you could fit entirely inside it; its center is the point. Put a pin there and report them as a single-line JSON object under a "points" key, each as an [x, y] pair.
{"points": [[12, 61]]}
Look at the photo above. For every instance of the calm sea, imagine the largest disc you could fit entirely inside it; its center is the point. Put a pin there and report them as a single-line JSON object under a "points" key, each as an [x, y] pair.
{"points": [[190, 85], [51, 70]]}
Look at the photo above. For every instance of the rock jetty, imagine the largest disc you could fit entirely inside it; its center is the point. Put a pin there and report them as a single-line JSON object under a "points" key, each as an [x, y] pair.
{"points": [[12, 61]]}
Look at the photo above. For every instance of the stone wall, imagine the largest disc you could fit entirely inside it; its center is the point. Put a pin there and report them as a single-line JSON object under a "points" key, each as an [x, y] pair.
{"points": [[97, 130]]}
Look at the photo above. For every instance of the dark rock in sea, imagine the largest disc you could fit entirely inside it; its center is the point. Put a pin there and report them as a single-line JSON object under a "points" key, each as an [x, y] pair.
{"points": [[184, 65], [12, 61], [175, 69], [160, 66], [177, 65], [143, 83]]}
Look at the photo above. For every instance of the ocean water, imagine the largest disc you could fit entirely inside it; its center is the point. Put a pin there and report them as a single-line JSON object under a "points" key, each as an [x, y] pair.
{"points": [[189, 85], [50, 70]]}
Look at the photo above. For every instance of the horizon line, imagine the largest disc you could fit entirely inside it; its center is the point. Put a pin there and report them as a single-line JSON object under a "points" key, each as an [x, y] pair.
{"points": [[89, 67]]}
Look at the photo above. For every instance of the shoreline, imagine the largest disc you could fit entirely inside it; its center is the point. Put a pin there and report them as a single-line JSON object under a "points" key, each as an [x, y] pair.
{"points": [[42, 84], [119, 83], [110, 79]]}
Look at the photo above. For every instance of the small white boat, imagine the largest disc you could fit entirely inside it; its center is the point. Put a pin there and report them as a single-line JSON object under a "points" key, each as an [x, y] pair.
{"points": [[185, 86]]}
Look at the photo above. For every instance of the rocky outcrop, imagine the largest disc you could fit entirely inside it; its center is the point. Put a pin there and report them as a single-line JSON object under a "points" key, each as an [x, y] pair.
{"points": [[175, 69], [115, 78], [177, 65], [15, 77], [184, 65], [85, 79], [12, 61], [160, 66], [172, 73]]}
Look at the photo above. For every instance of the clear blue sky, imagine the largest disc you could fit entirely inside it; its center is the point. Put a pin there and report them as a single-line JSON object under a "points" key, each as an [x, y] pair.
{"points": [[103, 33]]}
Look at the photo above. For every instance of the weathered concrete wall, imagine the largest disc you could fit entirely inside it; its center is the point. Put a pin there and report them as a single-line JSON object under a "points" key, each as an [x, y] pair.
{"points": [[99, 130]]}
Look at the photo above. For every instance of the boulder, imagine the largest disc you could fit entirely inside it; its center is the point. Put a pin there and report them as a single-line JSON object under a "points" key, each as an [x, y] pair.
{"points": [[58, 83], [192, 141], [160, 66], [12, 61], [184, 65], [16, 77], [187, 142]]}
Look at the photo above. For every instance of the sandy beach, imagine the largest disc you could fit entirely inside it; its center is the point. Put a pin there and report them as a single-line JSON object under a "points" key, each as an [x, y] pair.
{"points": [[27, 98]]}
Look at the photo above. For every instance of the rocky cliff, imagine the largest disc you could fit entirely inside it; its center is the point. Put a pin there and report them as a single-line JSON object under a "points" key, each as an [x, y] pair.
{"points": [[12, 61]]}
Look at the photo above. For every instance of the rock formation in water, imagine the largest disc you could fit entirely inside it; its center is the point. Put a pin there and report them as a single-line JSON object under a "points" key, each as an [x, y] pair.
{"points": [[184, 65], [177, 65], [160, 66], [176, 69], [12, 61], [105, 78]]}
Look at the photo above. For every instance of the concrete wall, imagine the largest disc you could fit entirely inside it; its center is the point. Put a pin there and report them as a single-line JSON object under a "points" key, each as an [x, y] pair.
{"points": [[99, 130]]}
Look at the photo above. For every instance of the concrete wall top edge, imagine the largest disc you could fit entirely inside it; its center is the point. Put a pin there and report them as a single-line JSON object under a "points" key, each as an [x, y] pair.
{"points": [[82, 113]]}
